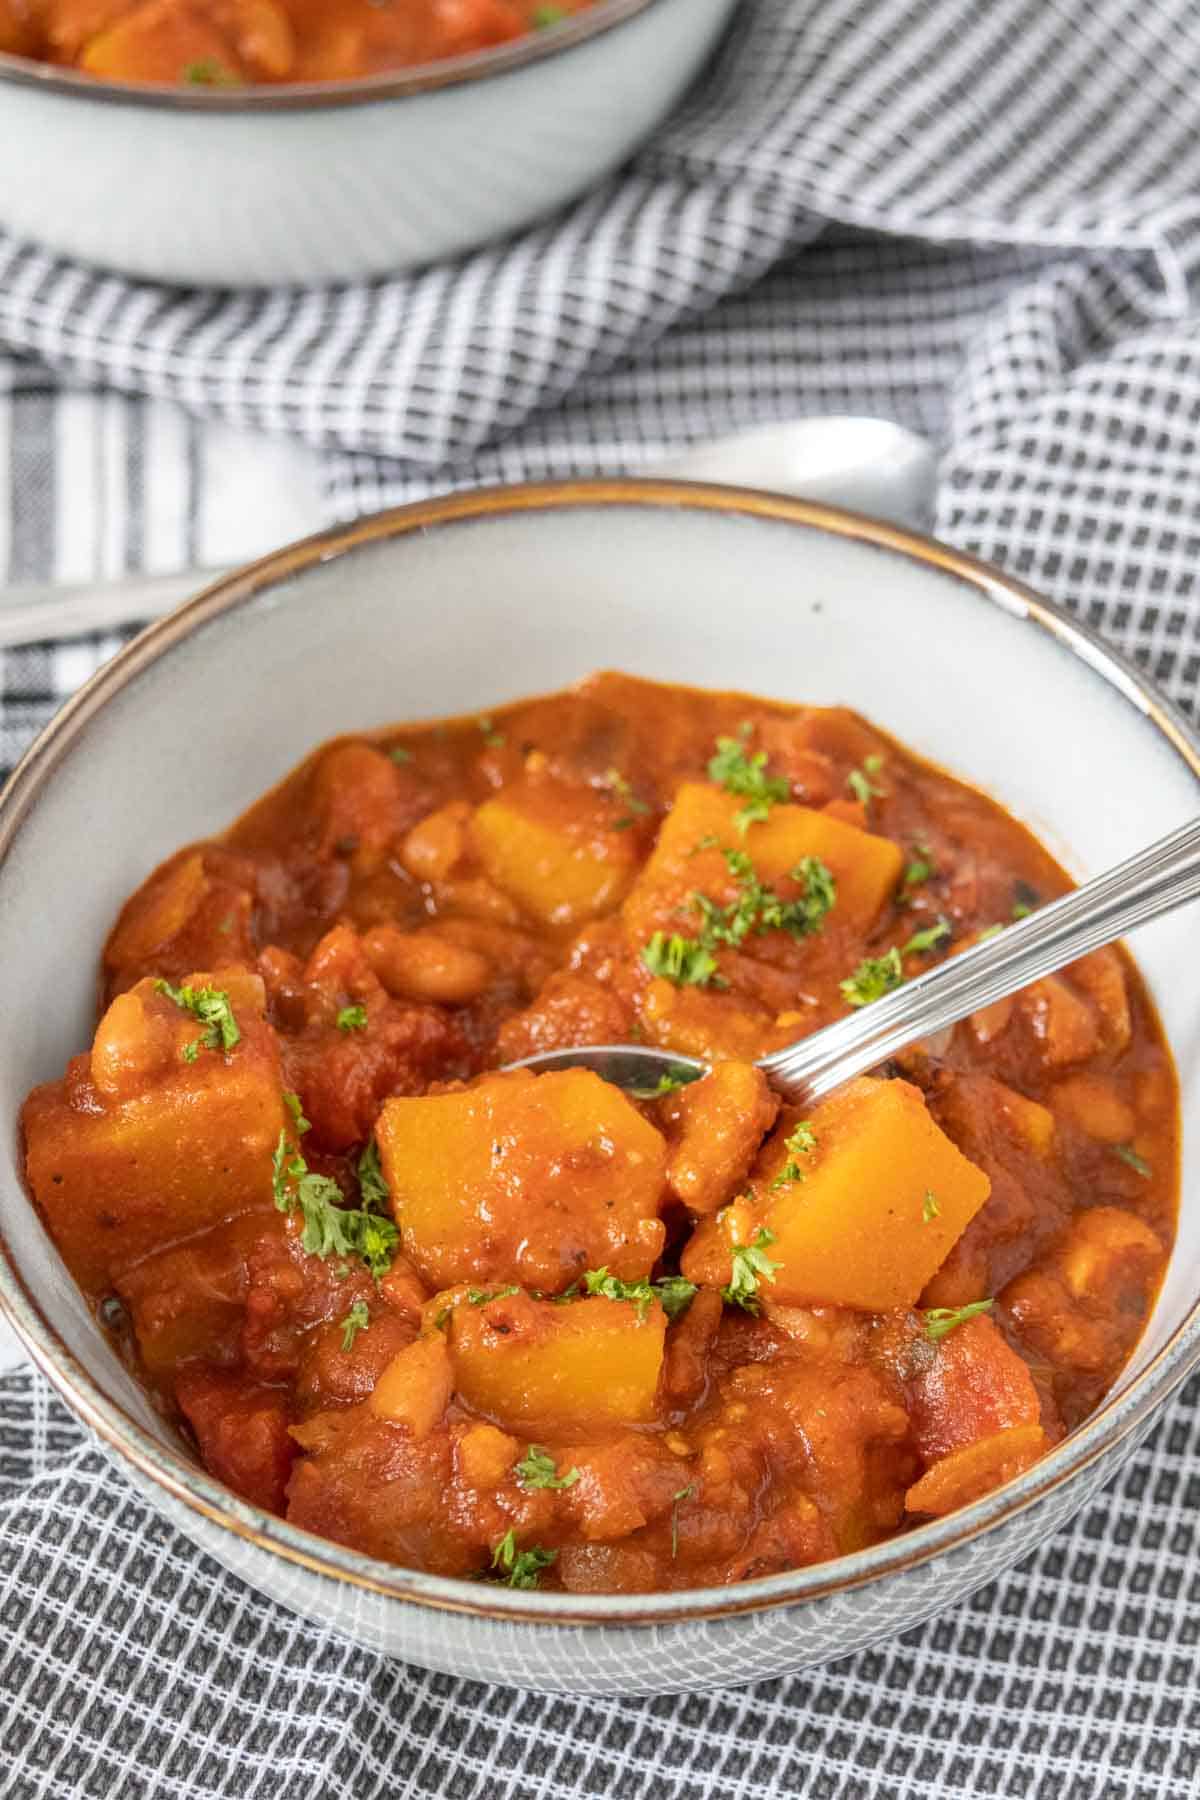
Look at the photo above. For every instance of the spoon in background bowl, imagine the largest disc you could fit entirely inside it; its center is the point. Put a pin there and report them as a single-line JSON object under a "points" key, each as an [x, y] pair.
{"points": [[1146, 886], [869, 465]]}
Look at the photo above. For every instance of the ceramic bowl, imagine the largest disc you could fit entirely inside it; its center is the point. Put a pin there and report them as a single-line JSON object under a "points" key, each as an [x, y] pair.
{"points": [[336, 181], [461, 604]]}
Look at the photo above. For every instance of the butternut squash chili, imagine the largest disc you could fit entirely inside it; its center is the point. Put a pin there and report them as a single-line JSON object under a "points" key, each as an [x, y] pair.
{"points": [[229, 43], [528, 1328]]}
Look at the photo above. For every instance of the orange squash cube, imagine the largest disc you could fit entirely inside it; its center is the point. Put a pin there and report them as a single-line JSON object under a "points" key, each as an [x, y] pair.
{"points": [[866, 867], [415, 1387], [573, 1369], [524, 1178], [857, 1228], [553, 849], [143, 1142]]}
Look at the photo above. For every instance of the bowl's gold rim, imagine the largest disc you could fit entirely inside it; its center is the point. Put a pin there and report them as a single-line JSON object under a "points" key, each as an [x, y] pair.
{"points": [[291, 96], [189, 1484]]}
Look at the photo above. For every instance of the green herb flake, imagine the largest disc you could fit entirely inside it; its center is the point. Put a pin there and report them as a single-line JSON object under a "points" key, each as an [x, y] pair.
{"points": [[1129, 1155], [750, 1261], [537, 1469], [677, 1499], [481, 1296], [352, 1018], [940, 1321], [212, 1007], [491, 737], [930, 1210], [400, 755], [620, 786], [546, 16], [919, 868], [861, 781], [675, 1078], [747, 777], [759, 909], [330, 1229], [1025, 898], [356, 1320], [208, 72], [373, 1190], [874, 977], [674, 1293], [929, 939], [520, 1568], [681, 960], [292, 1102]]}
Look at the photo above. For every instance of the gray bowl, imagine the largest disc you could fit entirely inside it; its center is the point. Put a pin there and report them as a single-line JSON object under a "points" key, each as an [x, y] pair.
{"points": [[461, 604]]}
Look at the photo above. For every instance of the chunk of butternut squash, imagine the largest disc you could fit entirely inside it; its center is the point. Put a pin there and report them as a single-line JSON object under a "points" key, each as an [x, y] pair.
{"points": [[966, 1475], [866, 867], [148, 1139], [554, 850], [524, 1178], [878, 1203], [415, 1387], [579, 1367]]}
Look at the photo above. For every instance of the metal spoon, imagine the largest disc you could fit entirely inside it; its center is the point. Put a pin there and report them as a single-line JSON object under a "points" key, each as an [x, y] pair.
{"points": [[1148, 885], [869, 465]]}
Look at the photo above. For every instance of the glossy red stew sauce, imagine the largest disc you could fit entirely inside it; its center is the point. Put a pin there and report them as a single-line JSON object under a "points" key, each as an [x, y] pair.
{"points": [[531, 1328], [228, 43]]}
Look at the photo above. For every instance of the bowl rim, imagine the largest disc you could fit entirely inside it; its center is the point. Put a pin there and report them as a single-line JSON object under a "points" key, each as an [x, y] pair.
{"points": [[291, 96], [181, 1480]]}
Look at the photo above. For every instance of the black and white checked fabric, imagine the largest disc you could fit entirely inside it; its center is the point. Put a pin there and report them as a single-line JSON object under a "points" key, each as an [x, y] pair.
{"points": [[983, 222]]}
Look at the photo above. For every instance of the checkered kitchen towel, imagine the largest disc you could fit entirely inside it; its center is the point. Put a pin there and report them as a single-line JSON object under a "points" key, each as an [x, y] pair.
{"points": [[981, 221]]}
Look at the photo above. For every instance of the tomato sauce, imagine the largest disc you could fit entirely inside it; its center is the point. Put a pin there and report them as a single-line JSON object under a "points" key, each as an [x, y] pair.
{"points": [[530, 1328], [230, 43]]}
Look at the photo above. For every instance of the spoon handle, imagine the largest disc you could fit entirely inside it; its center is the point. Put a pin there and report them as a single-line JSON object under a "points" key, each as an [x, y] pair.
{"points": [[1153, 882]]}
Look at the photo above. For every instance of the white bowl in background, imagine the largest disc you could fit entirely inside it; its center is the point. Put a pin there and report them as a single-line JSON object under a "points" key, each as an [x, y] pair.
{"points": [[339, 180], [460, 604]]}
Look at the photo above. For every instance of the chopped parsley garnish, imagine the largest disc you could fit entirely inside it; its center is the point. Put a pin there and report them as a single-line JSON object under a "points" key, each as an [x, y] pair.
{"points": [[330, 1229], [211, 1006], [874, 977], [1129, 1155], [759, 909], [928, 939], [545, 16], [208, 72], [673, 1292], [481, 1296], [520, 1568], [941, 1320], [930, 1210], [801, 1141], [1025, 898], [681, 960], [537, 1469], [919, 868], [680, 1495], [637, 808], [356, 1320], [373, 1190], [749, 1262], [352, 1018], [400, 755], [491, 737], [860, 783], [747, 777], [292, 1102], [670, 1083]]}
